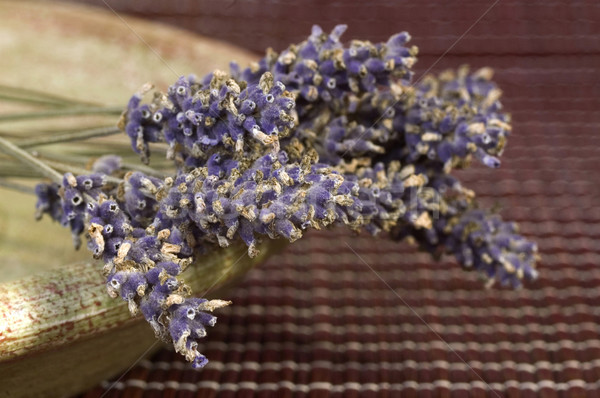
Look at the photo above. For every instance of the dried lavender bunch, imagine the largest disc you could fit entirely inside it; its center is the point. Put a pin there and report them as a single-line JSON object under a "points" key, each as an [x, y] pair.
{"points": [[319, 135]]}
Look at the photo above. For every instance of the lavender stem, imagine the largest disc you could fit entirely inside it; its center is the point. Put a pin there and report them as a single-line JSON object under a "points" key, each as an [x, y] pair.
{"points": [[24, 157], [68, 137], [78, 111]]}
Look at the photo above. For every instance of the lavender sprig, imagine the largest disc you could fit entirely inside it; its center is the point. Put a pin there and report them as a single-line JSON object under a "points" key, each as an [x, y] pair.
{"points": [[197, 118], [478, 239]]}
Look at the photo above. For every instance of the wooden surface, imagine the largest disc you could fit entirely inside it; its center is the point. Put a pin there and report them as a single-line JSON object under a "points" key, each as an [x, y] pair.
{"points": [[59, 331]]}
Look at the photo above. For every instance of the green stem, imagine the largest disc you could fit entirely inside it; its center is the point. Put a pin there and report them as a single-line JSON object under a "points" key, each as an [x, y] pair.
{"points": [[34, 95], [70, 159], [11, 169], [68, 137], [24, 157], [34, 101], [62, 112], [16, 186]]}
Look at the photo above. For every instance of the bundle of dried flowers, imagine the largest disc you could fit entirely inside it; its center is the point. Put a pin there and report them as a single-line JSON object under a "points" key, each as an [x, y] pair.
{"points": [[317, 135]]}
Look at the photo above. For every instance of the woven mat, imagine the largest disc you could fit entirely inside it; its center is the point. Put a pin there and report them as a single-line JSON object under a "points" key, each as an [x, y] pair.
{"points": [[347, 316]]}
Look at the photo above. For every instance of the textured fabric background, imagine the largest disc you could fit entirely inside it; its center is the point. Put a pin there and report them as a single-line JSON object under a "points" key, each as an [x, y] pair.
{"points": [[347, 316]]}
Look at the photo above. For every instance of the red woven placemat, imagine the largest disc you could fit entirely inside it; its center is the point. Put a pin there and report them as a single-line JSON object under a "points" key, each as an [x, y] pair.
{"points": [[339, 315]]}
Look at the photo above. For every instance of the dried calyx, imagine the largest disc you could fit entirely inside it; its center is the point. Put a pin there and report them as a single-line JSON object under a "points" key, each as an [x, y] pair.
{"points": [[318, 135]]}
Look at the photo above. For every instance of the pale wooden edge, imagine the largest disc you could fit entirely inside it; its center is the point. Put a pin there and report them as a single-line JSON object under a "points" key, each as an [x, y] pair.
{"points": [[78, 366]]}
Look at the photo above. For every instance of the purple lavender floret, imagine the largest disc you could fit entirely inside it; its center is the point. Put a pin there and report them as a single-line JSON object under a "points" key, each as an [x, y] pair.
{"points": [[188, 324], [478, 239], [482, 242], [139, 198], [347, 139], [439, 124], [107, 164], [492, 246], [200, 116], [324, 73], [67, 203], [48, 201], [161, 298], [471, 124], [108, 228]]}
